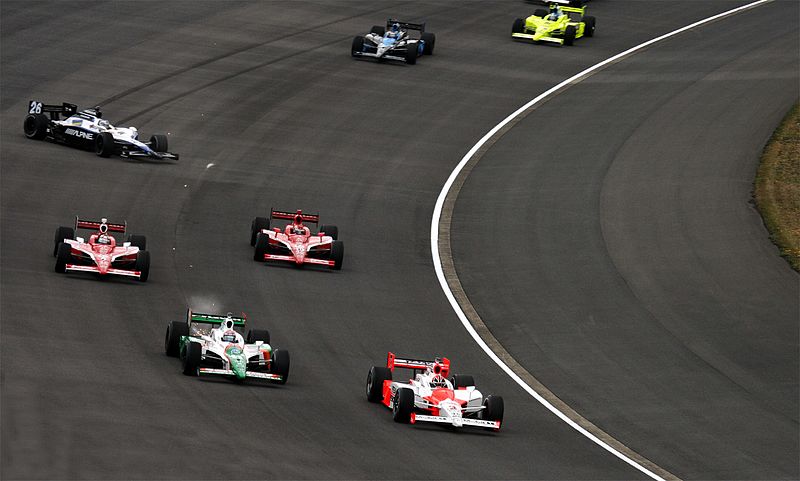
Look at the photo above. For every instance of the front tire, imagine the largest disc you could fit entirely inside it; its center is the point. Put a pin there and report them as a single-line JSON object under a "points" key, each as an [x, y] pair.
{"points": [[172, 339], [377, 375], [337, 255], [493, 409], [159, 142], [411, 53], [258, 224], [63, 257], [104, 144], [588, 26], [358, 45], [518, 26], [143, 265], [280, 364], [35, 126], [61, 234], [403, 405], [191, 359], [569, 35], [262, 246], [429, 40]]}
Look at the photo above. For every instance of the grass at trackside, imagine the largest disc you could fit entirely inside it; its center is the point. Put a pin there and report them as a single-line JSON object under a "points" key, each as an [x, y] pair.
{"points": [[777, 187]]}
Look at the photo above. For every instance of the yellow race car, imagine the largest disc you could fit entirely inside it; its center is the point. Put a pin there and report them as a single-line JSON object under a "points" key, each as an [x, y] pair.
{"points": [[561, 25]]}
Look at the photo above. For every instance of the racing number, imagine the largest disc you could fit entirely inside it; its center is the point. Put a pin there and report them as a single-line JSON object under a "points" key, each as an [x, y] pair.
{"points": [[35, 107]]}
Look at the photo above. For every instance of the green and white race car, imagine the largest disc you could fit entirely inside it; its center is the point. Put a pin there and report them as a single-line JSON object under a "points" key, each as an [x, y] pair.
{"points": [[561, 25], [210, 344]]}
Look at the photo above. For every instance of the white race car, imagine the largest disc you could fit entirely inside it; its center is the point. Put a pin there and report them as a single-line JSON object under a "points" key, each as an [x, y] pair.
{"points": [[430, 397], [88, 130], [394, 42], [209, 344]]}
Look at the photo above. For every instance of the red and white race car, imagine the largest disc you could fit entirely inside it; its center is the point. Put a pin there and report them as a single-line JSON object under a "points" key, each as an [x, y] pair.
{"points": [[101, 254], [430, 397], [295, 243]]}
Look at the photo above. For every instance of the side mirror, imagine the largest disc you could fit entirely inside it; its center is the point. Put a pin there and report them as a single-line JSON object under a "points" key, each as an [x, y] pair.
{"points": [[126, 244], [276, 229], [259, 343], [80, 239]]}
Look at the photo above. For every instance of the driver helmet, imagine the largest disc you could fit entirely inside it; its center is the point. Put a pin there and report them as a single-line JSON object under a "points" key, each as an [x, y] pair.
{"points": [[297, 225], [103, 239], [555, 11], [104, 124], [229, 336]]}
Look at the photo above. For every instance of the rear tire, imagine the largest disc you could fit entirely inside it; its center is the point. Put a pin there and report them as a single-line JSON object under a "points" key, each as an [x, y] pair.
{"points": [[377, 375], [330, 230], [462, 380], [35, 126], [403, 405], [589, 24], [518, 26], [143, 265], [61, 234], [493, 409], [139, 241], [191, 359], [569, 35], [63, 257], [254, 335], [280, 364], [159, 142], [337, 255], [378, 30], [172, 340], [429, 40], [411, 53], [540, 12], [258, 224], [262, 246], [358, 45], [104, 144]]}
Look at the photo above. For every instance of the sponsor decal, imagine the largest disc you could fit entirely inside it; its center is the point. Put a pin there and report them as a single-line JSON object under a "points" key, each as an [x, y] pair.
{"points": [[79, 133]]}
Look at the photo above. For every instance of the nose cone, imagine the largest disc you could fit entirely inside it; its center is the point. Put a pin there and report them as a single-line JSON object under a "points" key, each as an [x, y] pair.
{"points": [[238, 362], [103, 263], [299, 250]]}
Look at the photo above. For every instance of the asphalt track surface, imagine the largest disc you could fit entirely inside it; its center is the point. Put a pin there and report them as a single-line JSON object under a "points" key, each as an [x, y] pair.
{"points": [[267, 93]]}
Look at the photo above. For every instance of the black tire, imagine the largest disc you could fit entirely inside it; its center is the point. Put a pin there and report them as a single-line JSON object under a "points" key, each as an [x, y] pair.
{"points": [[589, 24], [540, 12], [35, 126], [403, 405], [159, 142], [411, 53], [378, 30], [262, 246], [254, 335], [258, 224], [143, 265], [63, 257], [430, 41], [104, 144], [462, 380], [493, 409], [139, 241], [358, 45], [280, 364], [191, 359], [330, 230], [569, 35], [375, 380], [61, 234], [172, 339], [518, 26], [337, 255]]}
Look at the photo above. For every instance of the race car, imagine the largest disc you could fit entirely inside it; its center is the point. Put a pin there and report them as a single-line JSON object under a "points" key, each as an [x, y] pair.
{"points": [[102, 253], [295, 243], [561, 25], [393, 42], [210, 344], [430, 397], [88, 130]]}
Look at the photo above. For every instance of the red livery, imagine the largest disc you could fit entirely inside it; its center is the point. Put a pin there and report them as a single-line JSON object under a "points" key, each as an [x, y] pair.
{"points": [[295, 243]]}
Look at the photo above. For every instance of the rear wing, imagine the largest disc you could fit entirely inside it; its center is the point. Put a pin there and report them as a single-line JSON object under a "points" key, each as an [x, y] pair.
{"points": [[98, 225], [279, 214], [214, 318], [55, 111], [438, 365], [574, 6], [406, 25]]}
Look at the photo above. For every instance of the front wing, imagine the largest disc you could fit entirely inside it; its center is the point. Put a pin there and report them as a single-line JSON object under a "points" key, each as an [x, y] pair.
{"points": [[119, 272], [482, 423], [307, 260], [251, 374]]}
